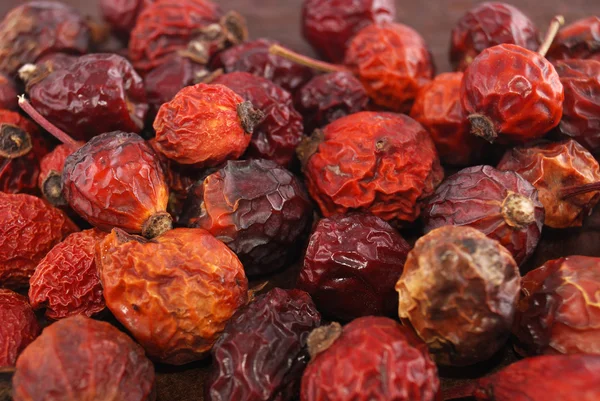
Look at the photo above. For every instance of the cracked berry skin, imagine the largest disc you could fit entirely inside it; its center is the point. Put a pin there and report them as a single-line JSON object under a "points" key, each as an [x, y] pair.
{"points": [[384, 163], [351, 266], [121, 15], [489, 24], [558, 312], [257, 208], [277, 136], [8, 93], [389, 363], [79, 358], [501, 204], [37, 28], [19, 326], [261, 354], [66, 282], [511, 95], [98, 93], [579, 40], [396, 69], [173, 293], [459, 291], [328, 97], [329, 25]]}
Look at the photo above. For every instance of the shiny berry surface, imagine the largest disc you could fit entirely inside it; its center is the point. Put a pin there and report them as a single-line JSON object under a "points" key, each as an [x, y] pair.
{"points": [[578, 40]]}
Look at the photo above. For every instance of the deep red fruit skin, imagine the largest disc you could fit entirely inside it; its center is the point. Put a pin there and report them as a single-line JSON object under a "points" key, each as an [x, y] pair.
{"points": [[579, 40], [281, 130], [261, 354], [19, 326], [516, 89], [257, 208], [98, 93], [36, 28], [83, 359], [489, 24], [328, 25], [29, 228], [477, 197], [351, 266], [8, 93], [327, 97], [121, 15], [66, 282], [56, 61], [388, 363], [254, 57], [581, 108], [383, 163], [52, 165]]}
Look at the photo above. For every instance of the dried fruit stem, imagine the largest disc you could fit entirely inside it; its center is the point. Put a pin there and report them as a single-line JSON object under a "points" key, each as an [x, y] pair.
{"points": [[482, 127], [575, 190], [304, 60], [518, 210], [460, 391], [309, 146], [555, 25], [157, 224], [322, 338], [14, 141], [250, 116]]}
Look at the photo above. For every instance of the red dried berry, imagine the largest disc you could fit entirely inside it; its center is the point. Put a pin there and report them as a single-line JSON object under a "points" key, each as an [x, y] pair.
{"points": [[261, 354], [351, 266], [387, 362], [489, 24], [277, 136], [66, 282], [8, 93], [579, 40], [50, 178], [329, 25], [83, 359], [49, 62], [257, 208], [121, 15], [173, 293], [19, 326], [328, 97], [384, 163], [29, 228], [502, 205]]}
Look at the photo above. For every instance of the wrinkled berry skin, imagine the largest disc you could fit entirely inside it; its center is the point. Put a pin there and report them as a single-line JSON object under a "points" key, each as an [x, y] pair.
{"points": [[581, 108], [277, 136], [511, 95], [83, 359], [489, 24], [558, 312], [56, 61], [459, 291], [579, 40], [383, 163], [254, 57], [389, 363], [66, 282], [29, 228], [36, 28], [98, 93], [173, 293], [262, 352], [121, 15], [328, 25], [351, 266], [437, 107], [8, 93], [257, 208], [328, 97], [501, 204], [19, 326], [551, 167], [396, 69], [51, 168]]}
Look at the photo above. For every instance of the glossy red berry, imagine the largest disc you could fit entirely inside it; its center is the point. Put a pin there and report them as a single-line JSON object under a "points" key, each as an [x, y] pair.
{"points": [[19, 326], [579, 40], [8, 93]]}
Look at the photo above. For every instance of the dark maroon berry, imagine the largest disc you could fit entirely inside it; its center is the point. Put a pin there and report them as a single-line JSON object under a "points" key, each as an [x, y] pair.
{"points": [[122, 14], [8, 93]]}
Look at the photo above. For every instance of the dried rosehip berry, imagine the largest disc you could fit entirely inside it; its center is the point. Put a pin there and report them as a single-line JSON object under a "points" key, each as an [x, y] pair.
{"points": [[489, 24], [66, 282], [328, 25], [579, 40], [351, 266], [552, 168], [173, 293], [501, 204], [50, 178], [29, 228], [19, 326], [83, 359], [204, 125], [121, 15], [261, 354], [36, 28], [8, 93], [257, 208], [277, 136], [388, 362], [327, 97], [384, 163], [459, 291], [50, 62]]}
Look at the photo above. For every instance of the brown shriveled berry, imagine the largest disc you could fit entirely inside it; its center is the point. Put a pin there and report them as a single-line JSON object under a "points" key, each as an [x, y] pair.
{"points": [[459, 291], [579, 40], [173, 293], [50, 178], [8, 93], [19, 326]]}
